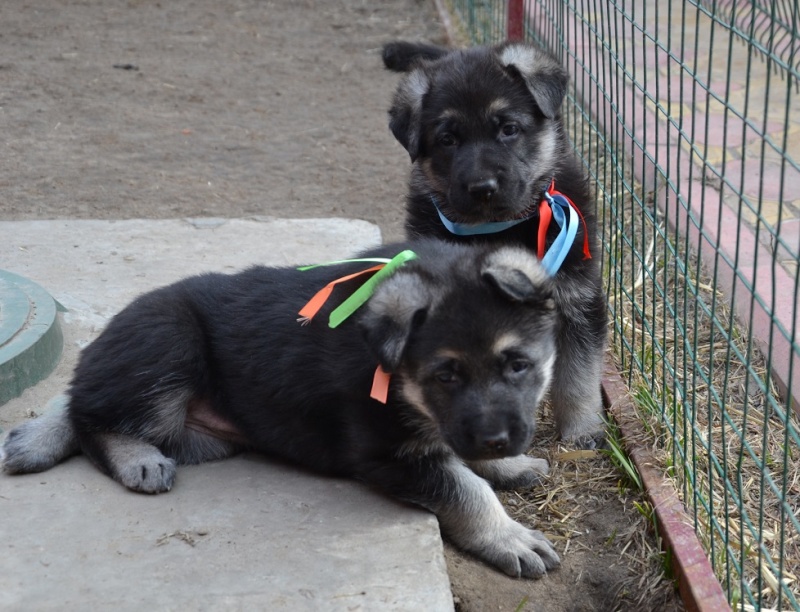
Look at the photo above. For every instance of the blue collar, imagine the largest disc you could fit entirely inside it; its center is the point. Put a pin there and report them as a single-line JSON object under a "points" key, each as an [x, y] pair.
{"points": [[466, 229], [561, 209]]}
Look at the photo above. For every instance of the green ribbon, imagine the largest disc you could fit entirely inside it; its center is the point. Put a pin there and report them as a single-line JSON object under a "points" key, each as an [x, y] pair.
{"points": [[385, 260], [365, 291]]}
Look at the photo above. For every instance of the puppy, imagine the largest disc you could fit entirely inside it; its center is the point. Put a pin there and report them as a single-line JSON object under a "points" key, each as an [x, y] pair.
{"points": [[484, 130], [216, 364]]}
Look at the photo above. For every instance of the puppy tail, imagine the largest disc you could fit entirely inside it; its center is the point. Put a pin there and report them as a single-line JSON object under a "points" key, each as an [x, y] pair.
{"points": [[401, 56], [37, 445]]}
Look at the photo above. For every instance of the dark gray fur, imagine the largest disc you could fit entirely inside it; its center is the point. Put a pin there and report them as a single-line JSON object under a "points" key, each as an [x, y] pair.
{"points": [[216, 364]]}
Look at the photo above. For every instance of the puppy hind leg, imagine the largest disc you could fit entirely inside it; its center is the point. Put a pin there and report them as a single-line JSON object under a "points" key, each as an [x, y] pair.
{"points": [[39, 444], [136, 464], [144, 467], [198, 447], [205, 435]]}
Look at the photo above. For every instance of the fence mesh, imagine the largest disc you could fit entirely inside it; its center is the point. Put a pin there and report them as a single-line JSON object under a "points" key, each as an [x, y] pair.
{"points": [[687, 117]]}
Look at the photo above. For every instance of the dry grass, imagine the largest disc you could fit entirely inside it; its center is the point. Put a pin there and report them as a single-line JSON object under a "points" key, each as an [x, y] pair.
{"points": [[580, 483], [703, 391]]}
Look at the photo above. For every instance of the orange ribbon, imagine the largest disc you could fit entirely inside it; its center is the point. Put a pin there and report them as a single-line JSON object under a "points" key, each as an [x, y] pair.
{"points": [[315, 303], [380, 385]]}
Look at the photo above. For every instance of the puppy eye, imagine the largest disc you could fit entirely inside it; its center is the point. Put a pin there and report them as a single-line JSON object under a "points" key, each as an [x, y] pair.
{"points": [[447, 140], [510, 129], [519, 365], [446, 377]]}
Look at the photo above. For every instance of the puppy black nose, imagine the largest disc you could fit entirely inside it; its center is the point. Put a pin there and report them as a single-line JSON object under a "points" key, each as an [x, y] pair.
{"points": [[483, 189], [496, 443]]}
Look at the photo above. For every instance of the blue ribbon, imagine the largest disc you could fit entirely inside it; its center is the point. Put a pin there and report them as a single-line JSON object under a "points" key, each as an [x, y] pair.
{"points": [[464, 229], [568, 220]]}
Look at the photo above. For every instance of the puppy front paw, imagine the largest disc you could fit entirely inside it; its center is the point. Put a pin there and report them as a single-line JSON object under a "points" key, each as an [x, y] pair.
{"points": [[475, 520], [520, 552]]}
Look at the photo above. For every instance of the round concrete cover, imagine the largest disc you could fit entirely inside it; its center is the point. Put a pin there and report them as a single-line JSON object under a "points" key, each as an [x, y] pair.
{"points": [[30, 335]]}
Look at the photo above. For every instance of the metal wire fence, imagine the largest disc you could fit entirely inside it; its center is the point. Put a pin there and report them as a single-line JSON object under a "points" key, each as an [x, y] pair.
{"points": [[687, 117]]}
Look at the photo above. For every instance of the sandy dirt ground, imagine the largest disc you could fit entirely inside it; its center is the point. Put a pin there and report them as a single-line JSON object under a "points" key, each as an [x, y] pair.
{"points": [[154, 109]]}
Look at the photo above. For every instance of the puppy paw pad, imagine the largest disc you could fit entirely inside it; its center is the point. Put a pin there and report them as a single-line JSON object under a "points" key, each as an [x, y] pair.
{"points": [[155, 476]]}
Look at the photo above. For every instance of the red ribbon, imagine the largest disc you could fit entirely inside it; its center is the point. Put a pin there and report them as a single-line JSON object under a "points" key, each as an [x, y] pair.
{"points": [[546, 215]]}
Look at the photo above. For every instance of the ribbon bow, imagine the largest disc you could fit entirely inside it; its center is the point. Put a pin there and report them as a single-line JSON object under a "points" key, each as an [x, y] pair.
{"points": [[384, 267], [556, 205]]}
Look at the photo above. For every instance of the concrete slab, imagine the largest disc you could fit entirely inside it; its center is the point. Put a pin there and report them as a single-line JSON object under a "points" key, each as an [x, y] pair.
{"points": [[244, 533]]}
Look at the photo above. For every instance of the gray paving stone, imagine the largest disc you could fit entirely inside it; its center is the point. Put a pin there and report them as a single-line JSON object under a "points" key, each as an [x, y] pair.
{"points": [[240, 534]]}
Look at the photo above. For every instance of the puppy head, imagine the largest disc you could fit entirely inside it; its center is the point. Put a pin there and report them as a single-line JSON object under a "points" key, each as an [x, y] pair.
{"points": [[470, 340], [429, 68], [483, 126]]}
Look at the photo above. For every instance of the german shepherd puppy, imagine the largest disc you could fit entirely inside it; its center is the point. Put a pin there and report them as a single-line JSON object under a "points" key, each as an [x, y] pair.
{"points": [[484, 130], [216, 364]]}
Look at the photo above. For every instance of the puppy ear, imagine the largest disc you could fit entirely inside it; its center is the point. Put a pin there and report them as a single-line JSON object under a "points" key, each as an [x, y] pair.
{"points": [[543, 75], [405, 115], [401, 56], [519, 277], [399, 305]]}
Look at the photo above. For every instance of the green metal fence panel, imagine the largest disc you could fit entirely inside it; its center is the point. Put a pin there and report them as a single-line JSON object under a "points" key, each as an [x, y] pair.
{"points": [[687, 117]]}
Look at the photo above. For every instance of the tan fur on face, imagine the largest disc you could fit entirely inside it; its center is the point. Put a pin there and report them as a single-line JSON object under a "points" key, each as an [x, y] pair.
{"points": [[453, 114], [432, 180], [443, 354], [548, 142], [497, 107], [412, 393], [505, 342]]}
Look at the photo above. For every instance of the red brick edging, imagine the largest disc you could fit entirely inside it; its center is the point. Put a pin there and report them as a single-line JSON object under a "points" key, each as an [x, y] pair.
{"points": [[698, 586]]}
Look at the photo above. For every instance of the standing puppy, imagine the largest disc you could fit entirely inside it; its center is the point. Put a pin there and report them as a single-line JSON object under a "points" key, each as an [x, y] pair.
{"points": [[484, 130], [215, 364]]}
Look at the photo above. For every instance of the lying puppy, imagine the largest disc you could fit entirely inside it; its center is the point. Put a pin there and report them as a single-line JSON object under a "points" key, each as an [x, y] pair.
{"points": [[215, 364], [484, 131]]}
